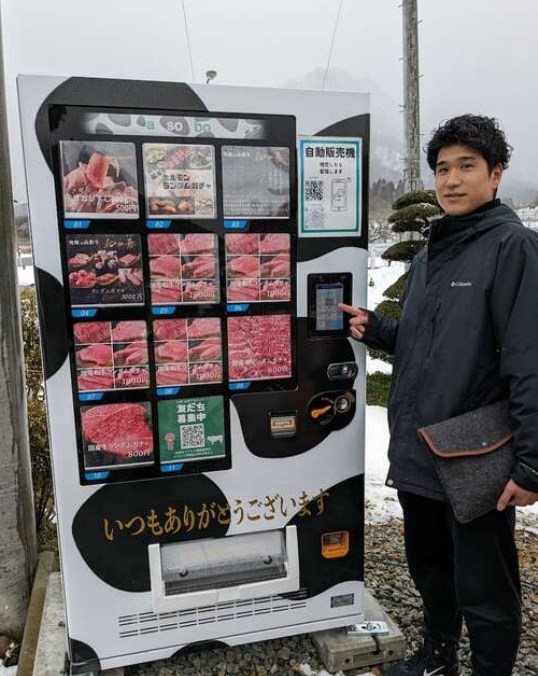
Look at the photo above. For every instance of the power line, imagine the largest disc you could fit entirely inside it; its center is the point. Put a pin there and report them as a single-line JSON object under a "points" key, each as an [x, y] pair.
{"points": [[332, 43], [188, 40]]}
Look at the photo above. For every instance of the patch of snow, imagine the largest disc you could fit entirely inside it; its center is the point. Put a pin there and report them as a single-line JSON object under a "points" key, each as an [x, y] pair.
{"points": [[383, 275], [373, 365], [306, 670], [381, 501], [8, 671], [26, 276]]}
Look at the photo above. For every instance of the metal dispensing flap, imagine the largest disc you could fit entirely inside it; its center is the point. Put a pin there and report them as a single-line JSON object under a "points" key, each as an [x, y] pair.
{"points": [[204, 572]]}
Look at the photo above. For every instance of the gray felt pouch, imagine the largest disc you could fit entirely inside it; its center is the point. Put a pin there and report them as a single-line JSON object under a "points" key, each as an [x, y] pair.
{"points": [[473, 455]]}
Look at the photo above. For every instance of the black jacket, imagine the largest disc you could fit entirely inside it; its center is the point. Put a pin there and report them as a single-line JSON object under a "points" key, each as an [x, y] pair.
{"points": [[467, 337]]}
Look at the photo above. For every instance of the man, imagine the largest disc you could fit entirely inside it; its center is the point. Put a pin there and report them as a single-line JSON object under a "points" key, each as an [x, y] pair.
{"points": [[467, 337]]}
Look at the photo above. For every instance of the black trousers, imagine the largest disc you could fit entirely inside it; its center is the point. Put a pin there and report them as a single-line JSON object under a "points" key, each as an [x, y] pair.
{"points": [[466, 571]]}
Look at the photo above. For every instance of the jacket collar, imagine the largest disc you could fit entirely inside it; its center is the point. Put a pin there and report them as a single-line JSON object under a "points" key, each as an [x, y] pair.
{"points": [[452, 228]]}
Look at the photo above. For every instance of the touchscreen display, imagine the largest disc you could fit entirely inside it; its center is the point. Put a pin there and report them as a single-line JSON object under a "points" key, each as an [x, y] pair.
{"points": [[328, 316]]}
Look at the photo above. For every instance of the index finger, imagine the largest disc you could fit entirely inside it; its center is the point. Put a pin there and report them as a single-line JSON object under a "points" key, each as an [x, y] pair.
{"points": [[350, 309]]}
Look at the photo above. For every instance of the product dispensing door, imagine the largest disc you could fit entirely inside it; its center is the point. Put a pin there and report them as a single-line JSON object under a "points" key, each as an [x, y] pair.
{"points": [[205, 401]]}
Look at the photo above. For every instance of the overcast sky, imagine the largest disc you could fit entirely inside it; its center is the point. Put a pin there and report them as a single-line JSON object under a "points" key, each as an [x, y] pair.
{"points": [[475, 55]]}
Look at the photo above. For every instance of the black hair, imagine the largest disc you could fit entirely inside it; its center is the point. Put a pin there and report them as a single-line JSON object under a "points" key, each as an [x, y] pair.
{"points": [[478, 132]]}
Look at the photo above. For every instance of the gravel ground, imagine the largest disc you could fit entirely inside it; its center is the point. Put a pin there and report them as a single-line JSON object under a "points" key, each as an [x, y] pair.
{"points": [[387, 578]]}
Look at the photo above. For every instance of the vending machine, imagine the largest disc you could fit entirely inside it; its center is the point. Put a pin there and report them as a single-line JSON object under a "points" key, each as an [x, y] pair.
{"points": [[205, 401]]}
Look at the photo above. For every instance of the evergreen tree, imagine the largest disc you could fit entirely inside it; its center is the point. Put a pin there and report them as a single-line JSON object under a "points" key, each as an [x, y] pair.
{"points": [[412, 213]]}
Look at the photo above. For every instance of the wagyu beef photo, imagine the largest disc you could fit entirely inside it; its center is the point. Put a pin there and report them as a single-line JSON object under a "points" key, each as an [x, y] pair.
{"points": [[183, 268], [92, 332], [105, 270], [117, 435], [99, 180], [259, 347], [192, 345]]}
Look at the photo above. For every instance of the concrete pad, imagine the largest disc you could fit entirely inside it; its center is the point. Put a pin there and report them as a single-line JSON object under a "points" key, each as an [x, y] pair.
{"points": [[51, 653], [46, 564], [340, 651], [52, 643]]}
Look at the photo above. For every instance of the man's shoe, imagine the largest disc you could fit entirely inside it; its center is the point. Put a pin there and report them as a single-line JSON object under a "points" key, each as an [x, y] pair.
{"points": [[431, 659]]}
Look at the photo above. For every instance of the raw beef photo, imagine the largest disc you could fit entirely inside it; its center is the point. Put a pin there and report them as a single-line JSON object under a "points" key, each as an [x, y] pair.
{"points": [[90, 380], [170, 329], [279, 266], [201, 267], [175, 374], [127, 331], [128, 260], [117, 434], [242, 244], [107, 279], [135, 377], [171, 351], [105, 270], [131, 275], [244, 266], [204, 291], [166, 293], [209, 372], [275, 289], [168, 267], [243, 290], [207, 350], [92, 332], [79, 261], [274, 242], [259, 347], [134, 354], [163, 244], [203, 327], [82, 279], [99, 179], [97, 354], [197, 243]]}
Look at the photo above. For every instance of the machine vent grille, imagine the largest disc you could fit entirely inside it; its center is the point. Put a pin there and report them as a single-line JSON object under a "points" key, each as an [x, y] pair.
{"points": [[151, 623]]}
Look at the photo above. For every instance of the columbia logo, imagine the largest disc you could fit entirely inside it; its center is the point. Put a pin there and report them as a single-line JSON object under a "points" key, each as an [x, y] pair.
{"points": [[461, 284]]}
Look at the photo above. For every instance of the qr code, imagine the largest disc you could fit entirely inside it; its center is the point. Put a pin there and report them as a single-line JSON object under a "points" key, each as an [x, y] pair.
{"points": [[313, 191], [192, 436]]}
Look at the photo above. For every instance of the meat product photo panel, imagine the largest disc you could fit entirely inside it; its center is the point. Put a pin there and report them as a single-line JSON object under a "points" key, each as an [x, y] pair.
{"points": [[105, 270], [116, 436], [188, 351], [258, 267], [99, 180], [184, 268], [259, 347]]}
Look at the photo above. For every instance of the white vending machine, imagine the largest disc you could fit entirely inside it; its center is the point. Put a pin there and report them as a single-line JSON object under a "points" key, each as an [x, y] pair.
{"points": [[205, 401]]}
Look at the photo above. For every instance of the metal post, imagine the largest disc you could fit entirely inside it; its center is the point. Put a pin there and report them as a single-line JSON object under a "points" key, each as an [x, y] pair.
{"points": [[17, 530]]}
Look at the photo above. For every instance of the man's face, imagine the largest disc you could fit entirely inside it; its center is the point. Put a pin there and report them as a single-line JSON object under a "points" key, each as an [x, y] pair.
{"points": [[463, 181]]}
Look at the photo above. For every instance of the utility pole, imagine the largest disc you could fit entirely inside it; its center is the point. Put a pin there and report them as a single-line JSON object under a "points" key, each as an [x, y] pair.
{"points": [[18, 548], [411, 96]]}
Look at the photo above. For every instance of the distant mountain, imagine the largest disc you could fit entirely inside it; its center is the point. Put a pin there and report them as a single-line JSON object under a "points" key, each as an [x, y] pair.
{"points": [[386, 144]]}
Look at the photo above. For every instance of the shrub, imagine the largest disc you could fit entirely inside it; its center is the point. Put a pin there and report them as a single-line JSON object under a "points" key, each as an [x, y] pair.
{"points": [[37, 424]]}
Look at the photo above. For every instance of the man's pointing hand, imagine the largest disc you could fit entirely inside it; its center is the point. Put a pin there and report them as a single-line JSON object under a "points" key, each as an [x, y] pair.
{"points": [[358, 322]]}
